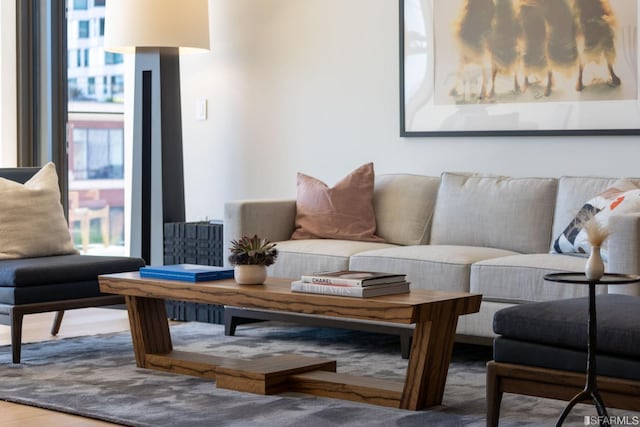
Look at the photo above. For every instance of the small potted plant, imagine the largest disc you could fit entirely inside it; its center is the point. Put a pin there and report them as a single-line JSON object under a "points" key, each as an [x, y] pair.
{"points": [[251, 256]]}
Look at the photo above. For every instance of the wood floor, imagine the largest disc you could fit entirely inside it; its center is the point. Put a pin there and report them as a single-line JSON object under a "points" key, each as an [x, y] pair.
{"points": [[36, 328]]}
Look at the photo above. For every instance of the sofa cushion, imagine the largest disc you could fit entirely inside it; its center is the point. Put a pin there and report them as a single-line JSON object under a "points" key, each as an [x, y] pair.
{"points": [[404, 206], [622, 197], [433, 267], [32, 222], [344, 211], [521, 278], [298, 257], [564, 323], [495, 211]]}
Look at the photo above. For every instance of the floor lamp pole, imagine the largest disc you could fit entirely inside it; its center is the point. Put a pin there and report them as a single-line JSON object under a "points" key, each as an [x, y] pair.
{"points": [[157, 176]]}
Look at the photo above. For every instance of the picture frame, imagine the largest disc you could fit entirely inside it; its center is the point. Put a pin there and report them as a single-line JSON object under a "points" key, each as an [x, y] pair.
{"points": [[440, 92]]}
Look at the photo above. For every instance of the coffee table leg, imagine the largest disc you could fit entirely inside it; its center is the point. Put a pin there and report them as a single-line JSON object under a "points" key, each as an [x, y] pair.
{"points": [[149, 327], [429, 361]]}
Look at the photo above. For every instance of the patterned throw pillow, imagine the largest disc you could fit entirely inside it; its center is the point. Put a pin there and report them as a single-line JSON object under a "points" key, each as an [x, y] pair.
{"points": [[344, 211], [623, 197]]}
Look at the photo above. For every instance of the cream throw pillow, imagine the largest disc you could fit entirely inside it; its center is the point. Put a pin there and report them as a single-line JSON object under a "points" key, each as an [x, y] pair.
{"points": [[32, 222]]}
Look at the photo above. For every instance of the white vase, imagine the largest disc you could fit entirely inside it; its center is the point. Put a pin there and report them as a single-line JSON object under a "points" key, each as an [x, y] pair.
{"points": [[594, 269], [250, 274]]}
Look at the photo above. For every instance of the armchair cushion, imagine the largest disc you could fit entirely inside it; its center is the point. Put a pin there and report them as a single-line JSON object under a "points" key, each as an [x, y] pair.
{"points": [[32, 222], [29, 280], [553, 335], [563, 323], [509, 350]]}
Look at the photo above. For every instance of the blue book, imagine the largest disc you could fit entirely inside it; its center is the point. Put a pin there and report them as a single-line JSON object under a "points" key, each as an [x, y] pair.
{"points": [[187, 272]]}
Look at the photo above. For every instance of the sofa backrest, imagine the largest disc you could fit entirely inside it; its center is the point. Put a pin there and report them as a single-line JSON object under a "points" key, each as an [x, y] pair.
{"points": [[403, 205], [494, 211]]}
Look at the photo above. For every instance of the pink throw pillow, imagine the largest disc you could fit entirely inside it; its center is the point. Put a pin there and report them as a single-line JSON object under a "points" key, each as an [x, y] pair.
{"points": [[343, 212]]}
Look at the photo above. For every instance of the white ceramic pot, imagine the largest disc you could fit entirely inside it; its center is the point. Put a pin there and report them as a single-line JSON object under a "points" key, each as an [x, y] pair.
{"points": [[250, 274]]}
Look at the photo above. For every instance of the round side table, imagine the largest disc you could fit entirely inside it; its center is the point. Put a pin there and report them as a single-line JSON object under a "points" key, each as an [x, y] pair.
{"points": [[591, 387]]}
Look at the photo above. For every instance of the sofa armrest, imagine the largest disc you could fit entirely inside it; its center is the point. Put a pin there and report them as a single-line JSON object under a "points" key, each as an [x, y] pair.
{"points": [[624, 250], [273, 219]]}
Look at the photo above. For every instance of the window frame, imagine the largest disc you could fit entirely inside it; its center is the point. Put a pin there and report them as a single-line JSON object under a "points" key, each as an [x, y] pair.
{"points": [[41, 71]]}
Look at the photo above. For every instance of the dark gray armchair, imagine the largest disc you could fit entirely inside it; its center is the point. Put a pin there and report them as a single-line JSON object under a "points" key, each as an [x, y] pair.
{"points": [[52, 283]]}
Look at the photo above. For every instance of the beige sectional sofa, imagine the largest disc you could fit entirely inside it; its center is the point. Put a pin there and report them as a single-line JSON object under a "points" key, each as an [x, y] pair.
{"points": [[461, 232]]}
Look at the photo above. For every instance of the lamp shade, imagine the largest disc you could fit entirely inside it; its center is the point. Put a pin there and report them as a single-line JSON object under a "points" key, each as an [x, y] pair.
{"points": [[180, 24]]}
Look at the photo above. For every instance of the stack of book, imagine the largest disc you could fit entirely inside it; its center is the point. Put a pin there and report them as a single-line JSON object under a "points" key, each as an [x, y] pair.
{"points": [[352, 283]]}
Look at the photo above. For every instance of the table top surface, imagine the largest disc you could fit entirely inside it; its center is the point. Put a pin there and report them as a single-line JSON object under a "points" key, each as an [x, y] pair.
{"points": [[579, 278], [276, 294]]}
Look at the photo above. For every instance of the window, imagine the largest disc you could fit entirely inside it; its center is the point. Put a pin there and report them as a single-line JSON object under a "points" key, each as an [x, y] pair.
{"points": [[74, 60], [74, 90], [83, 29], [111, 58], [80, 4], [116, 152], [117, 85], [79, 153], [95, 137], [98, 153]]}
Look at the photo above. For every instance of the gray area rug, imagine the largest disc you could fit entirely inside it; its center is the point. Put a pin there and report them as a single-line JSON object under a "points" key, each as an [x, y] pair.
{"points": [[96, 377]]}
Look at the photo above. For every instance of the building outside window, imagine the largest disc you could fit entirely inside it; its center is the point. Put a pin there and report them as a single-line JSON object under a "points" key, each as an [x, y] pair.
{"points": [[98, 3], [87, 58], [80, 4]]}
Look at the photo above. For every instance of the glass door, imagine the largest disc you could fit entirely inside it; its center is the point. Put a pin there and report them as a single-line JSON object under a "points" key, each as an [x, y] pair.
{"points": [[96, 138]]}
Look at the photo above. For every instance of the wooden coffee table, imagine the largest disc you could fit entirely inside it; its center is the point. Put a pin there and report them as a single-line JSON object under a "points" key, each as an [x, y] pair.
{"points": [[434, 313]]}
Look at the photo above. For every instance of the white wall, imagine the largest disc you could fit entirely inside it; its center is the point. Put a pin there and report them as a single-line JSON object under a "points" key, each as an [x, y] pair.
{"points": [[312, 86], [8, 118]]}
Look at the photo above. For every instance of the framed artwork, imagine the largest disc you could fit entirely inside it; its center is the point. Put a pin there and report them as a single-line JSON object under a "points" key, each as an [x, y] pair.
{"points": [[519, 67]]}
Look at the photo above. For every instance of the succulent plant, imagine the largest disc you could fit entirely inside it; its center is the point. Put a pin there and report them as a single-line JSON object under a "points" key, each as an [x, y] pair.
{"points": [[252, 251]]}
